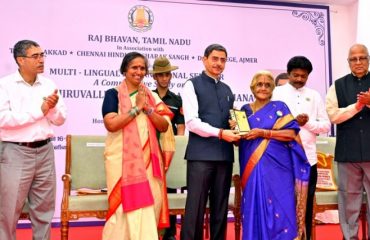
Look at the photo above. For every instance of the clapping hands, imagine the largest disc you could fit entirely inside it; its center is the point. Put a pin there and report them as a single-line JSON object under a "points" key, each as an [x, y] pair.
{"points": [[50, 102], [363, 98]]}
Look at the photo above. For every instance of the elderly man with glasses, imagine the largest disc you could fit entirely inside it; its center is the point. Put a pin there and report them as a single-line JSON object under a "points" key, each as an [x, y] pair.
{"points": [[348, 106], [29, 106]]}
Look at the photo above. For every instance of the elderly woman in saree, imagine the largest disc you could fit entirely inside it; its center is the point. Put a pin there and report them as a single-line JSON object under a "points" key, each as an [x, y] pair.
{"points": [[274, 168], [139, 147]]}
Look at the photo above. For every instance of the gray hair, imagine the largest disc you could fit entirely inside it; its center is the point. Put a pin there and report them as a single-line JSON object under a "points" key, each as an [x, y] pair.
{"points": [[21, 47]]}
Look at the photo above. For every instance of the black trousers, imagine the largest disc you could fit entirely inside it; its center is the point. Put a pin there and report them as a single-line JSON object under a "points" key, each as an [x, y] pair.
{"points": [[310, 197], [207, 179]]}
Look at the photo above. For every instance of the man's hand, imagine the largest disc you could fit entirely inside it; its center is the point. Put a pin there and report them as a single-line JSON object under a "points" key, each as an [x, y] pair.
{"points": [[363, 98], [302, 119], [230, 135], [232, 124], [50, 102]]}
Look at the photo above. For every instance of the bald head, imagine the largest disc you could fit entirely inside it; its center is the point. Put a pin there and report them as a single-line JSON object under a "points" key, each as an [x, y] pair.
{"points": [[358, 60], [358, 47]]}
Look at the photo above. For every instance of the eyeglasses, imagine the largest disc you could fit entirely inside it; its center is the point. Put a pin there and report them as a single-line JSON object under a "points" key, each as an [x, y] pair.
{"points": [[36, 56], [358, 59], [266, 85]]}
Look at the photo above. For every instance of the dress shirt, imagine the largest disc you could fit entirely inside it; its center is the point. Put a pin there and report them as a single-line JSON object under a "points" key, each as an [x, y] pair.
{"points": [[308, 101], [21, 117], [338, 115], [192, 121]]}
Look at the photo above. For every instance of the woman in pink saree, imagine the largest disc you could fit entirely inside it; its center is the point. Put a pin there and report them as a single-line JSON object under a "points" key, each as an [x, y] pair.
{"points": [[274, 168], [139, 147]]}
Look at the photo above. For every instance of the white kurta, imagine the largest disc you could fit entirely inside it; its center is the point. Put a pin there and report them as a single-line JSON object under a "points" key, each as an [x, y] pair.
{"points": [[308, 101]]}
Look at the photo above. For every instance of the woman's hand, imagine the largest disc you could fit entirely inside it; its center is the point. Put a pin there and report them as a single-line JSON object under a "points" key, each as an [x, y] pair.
{"points": [[281, 135], [141, 98], [254, 133]]}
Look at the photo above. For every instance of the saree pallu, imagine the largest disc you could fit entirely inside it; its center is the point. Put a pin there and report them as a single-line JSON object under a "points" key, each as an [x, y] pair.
{"points": [[275, 177], [141, 223]]}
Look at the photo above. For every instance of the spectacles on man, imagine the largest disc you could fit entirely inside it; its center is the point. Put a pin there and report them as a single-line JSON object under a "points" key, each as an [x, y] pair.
{"points": [[362, 59], [36, 56]]}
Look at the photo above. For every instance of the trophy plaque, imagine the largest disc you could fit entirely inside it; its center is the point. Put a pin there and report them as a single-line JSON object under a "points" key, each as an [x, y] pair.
{"points": [[242, 125]]}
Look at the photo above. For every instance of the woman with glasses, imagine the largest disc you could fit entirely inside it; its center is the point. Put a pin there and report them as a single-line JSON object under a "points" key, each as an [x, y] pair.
{"points": [[274, 168]]}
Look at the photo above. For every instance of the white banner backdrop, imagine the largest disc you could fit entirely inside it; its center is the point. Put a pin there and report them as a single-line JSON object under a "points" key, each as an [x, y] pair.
{"points": [[85, 41]]}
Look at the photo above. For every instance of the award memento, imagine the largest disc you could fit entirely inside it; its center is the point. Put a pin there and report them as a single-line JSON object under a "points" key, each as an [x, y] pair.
{"points": [[325, 174], [242, 125]]}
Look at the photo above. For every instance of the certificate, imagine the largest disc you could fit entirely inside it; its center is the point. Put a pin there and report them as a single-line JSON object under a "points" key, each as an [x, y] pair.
{"points": [[242, 125]]}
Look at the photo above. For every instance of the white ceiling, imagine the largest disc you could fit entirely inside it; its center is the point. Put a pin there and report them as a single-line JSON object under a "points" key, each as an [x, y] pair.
{"points": [[324, 2]]}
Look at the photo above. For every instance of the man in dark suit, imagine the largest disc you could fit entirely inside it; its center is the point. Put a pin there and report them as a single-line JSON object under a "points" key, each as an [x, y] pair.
{"points": [[209, 154]]}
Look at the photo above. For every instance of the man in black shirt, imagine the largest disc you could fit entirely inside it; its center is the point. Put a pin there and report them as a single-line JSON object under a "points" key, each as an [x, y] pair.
{"points": [[162, 75]]}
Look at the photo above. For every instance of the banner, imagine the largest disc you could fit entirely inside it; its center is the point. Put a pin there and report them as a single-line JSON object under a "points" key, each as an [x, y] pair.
{"points": [[85, 42]]}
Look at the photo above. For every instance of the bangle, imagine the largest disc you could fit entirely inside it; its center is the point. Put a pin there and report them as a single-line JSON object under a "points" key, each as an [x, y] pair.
{"points": [[220, 133], [136, 109], [133, 112], [270, 133], [149, 111]]}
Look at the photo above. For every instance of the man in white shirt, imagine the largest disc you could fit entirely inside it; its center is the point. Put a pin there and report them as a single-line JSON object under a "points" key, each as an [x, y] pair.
{"points": [[308, 108], [29, 106]]}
